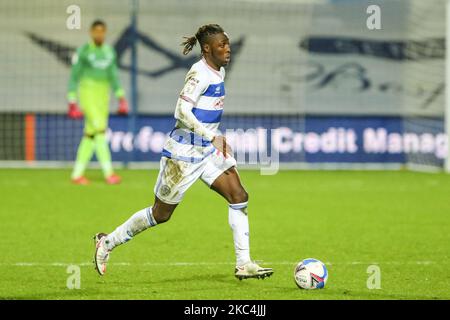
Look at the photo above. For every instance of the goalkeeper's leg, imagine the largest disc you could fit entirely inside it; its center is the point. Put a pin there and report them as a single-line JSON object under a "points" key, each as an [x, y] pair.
{"points": [[95, 108], [100, 123], [84, 155], [104, 157]]}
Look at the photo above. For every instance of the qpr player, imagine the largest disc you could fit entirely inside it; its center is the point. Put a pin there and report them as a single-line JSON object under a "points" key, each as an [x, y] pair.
{"points": [[195, 150]]}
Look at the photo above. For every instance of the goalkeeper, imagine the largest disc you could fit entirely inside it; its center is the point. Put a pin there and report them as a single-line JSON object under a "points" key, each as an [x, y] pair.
{"points": [[94, 72]]}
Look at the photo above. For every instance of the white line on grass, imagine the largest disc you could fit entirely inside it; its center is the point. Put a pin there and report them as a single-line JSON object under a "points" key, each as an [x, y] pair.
{"points": [[189, 264]]}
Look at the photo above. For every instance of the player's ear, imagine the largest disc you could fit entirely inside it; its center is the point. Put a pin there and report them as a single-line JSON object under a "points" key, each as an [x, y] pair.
{"points": [[206, 48]]}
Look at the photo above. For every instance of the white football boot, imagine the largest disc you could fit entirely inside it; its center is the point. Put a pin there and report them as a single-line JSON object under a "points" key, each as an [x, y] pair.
{"points": [[101, 255], [252, 270]]}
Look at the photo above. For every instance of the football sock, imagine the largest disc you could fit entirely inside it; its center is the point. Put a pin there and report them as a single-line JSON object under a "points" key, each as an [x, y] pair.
{"points": [[103, 154], [84, 155], [137, 223], [238, 220]]}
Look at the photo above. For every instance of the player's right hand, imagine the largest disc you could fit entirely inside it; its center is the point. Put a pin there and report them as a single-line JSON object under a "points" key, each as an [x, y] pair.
{"points": [[220, 142], [74, 112]]}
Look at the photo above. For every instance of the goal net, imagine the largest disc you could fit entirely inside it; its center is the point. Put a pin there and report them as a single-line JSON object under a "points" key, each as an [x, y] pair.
{"points": [[310, 83]]}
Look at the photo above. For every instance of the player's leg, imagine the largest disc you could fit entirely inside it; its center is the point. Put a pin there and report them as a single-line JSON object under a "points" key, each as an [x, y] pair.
{"points": [[99, 114], [146, 218], [87, 145], [229, 186], [104, 157], [84, 155], [174, 178]]}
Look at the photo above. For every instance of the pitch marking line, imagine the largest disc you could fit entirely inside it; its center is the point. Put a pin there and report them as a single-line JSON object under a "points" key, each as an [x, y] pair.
{"points": [[190, 264]]}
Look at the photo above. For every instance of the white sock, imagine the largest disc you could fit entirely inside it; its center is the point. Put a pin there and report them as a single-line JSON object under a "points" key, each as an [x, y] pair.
{"points": [[137, 223], [238, 220]]}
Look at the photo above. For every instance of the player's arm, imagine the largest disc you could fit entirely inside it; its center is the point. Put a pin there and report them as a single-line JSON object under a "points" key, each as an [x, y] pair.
{"points": [[116, 86], [193, 88], [75, 74], [184, 114]]}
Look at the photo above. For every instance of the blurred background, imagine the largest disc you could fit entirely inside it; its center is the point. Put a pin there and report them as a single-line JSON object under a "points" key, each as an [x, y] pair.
{"points": [[308, 80]]}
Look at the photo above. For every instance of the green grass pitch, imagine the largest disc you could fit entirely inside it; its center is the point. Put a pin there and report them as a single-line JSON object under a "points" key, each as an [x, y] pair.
{"points": [[349, 220]]}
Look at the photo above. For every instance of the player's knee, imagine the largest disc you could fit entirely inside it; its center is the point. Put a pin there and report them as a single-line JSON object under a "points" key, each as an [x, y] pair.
{"points": [[89, 135], [238, 196], [162, 211], [98, 132], [162, 216]]}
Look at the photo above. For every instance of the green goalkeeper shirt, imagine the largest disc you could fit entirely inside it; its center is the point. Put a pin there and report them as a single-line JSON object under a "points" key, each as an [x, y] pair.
{"points": [[96, 63]]}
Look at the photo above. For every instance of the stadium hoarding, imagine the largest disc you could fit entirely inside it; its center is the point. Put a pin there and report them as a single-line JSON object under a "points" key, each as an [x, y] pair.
{"points": [[13, 132], [314, 139]]}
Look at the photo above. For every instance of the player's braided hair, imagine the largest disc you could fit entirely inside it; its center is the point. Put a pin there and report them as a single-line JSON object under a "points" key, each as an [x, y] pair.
{"points": [[201, 36]]}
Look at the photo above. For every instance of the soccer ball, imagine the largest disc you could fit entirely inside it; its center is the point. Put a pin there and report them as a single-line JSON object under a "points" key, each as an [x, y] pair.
{"points": [[310, 274]]}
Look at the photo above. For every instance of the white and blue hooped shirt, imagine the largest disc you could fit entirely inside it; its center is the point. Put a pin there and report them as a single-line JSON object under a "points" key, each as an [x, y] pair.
{"points": [[204, 87]]}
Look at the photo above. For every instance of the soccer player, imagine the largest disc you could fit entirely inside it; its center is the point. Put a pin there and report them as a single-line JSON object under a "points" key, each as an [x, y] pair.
{"points": [[195, 150], [94, 72]]}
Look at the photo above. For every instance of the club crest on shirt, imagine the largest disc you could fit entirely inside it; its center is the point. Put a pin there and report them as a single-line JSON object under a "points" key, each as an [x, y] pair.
{"points": [[165, 190]]}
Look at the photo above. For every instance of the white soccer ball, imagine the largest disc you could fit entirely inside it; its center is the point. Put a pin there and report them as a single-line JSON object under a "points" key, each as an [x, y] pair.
{"points": [[310, 274]]}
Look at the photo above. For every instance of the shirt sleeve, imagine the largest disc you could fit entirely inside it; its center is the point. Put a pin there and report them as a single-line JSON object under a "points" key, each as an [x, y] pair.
{"points": [[184, 114], [114, 77], [75, 74], [193, 88]]}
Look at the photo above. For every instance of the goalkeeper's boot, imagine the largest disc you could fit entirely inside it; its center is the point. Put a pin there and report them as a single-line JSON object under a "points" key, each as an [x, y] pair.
{"points": [[113, 179], [80, 180], [252, 270], [101, 255]]}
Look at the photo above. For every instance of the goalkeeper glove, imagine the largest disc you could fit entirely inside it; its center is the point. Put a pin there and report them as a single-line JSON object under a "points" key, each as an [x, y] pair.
{"points": [[74, 112], [123, 107]]}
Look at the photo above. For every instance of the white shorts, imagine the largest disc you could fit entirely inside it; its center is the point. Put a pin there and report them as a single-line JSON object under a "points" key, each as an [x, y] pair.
{"points": [[176, 176]]}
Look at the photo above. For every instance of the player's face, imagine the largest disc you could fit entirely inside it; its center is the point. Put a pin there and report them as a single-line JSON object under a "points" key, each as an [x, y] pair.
{"points": [[98, 34], [220, 49]]}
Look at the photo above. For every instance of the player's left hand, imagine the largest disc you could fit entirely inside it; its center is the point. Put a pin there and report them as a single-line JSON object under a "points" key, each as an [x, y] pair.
{"points": [[123, 107]]}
